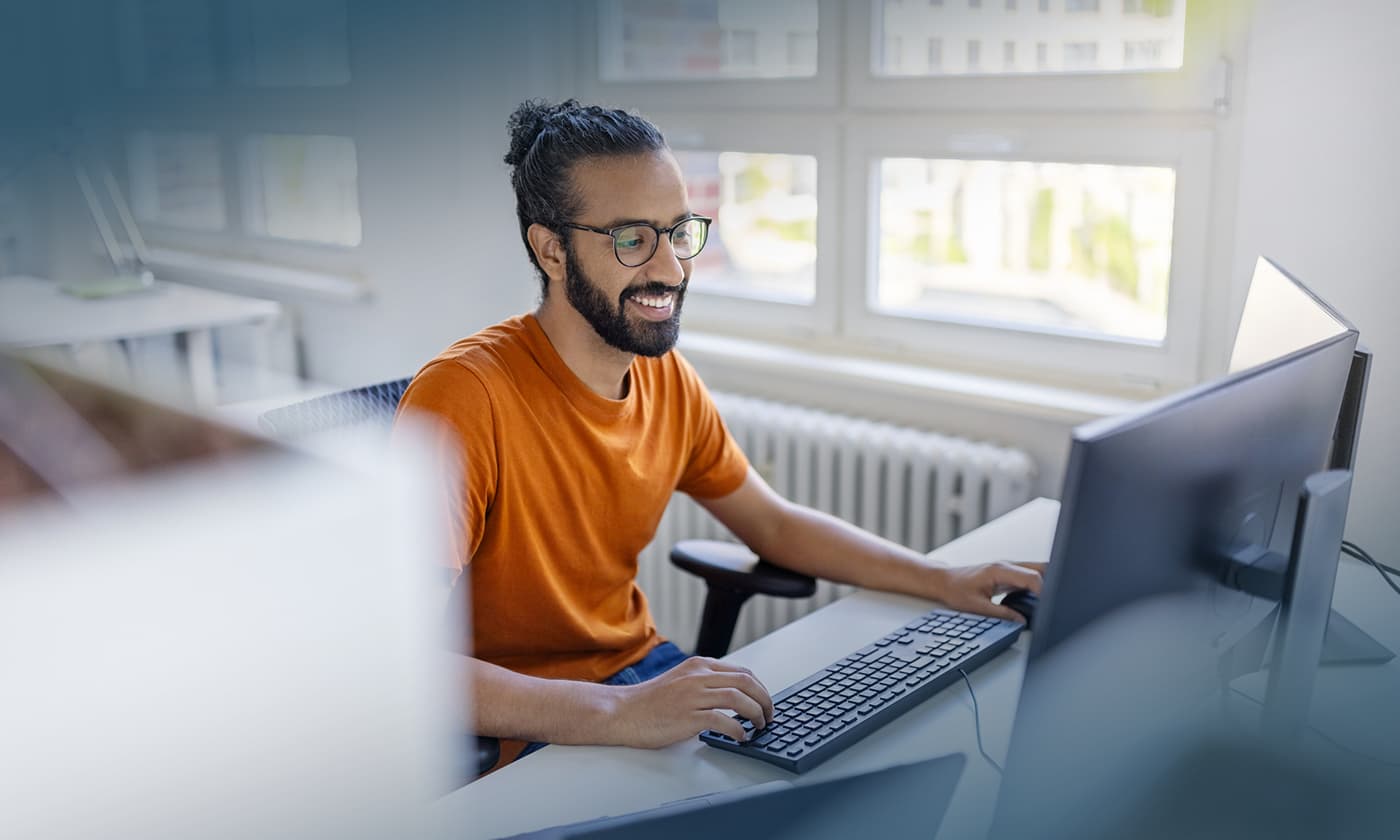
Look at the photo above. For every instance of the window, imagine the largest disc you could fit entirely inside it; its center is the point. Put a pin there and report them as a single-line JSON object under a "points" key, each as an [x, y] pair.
{"points": [[1081, 55], [640, 40], [166, 44], [764, 241], [802, 49], [1076, 248], [302, 44], [1081, 40], [894, 54], [177, 179], [1146, 53], [1155, 8], [301, 187], [960, 200], [198, 180]]}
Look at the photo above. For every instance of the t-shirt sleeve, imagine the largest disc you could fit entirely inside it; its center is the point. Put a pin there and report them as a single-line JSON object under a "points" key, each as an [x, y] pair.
{"points": [[455, 407], [716, 466]]}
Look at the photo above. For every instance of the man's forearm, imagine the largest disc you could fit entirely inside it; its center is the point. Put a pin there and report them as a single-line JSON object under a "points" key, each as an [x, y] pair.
{"points": [[510, 705], [821, 545]]}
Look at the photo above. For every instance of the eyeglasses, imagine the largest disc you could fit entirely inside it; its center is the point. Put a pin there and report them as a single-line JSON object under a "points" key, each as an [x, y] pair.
{"points": [[635, 243]]}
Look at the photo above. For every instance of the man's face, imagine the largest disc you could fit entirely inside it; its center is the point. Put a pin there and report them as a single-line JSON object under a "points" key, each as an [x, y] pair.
{"points": [[636, 310]]}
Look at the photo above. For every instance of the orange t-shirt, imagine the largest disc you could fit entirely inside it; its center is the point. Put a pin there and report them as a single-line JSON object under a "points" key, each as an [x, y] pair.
{"points": [[563, 489]]}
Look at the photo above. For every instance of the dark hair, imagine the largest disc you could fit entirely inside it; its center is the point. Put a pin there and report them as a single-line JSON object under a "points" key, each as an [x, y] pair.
{"points": [[547, 140]]}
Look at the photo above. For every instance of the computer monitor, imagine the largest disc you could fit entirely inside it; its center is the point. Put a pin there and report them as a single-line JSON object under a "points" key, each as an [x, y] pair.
{"points": [[1175, 547], [1281, 315]]}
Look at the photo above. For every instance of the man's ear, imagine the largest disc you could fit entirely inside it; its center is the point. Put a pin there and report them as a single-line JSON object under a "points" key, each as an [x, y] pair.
{"points": [[549, 251]]}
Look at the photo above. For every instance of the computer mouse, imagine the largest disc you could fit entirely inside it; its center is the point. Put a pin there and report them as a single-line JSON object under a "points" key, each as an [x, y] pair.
{"points": [[1024, 602]]}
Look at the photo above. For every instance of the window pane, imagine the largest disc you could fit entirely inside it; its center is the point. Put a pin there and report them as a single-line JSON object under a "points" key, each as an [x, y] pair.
{"points": [[301, 187], [281, 44], [166, 43], [1061, 247], [176, 179], [764, 239], [706, 39], [1076, 36]]}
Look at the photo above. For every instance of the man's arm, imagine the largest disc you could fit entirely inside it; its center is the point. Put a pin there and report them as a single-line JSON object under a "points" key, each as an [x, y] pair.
{"points": [[675, 706], [818, 544]]}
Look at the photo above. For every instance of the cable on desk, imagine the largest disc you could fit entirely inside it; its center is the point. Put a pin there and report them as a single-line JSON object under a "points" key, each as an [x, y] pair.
{"points": [[977, 722], [1329, 739], [1353, 550]]}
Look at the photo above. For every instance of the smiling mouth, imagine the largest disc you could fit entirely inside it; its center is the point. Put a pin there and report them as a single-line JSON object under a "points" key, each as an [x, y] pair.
{"points": [[656, 306]]}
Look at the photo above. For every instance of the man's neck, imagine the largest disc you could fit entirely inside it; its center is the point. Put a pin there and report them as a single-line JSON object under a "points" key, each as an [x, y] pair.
{"points": [[602, 367]]}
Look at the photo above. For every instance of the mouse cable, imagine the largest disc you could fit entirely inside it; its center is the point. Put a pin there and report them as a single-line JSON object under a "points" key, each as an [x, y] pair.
{"points": [[1329, 739], [977, 722], [1361, 554], [1353, 550]]}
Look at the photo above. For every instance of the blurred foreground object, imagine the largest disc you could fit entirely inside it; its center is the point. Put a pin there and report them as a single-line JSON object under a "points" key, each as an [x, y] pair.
{"points": [[206, 635]]}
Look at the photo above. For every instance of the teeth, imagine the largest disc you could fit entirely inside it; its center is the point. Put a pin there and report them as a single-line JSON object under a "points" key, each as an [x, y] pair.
{"points": [[656, 301]]}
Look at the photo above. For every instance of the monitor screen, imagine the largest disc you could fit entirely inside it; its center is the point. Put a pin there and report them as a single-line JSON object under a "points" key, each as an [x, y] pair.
{"points": [[1281, 316]]}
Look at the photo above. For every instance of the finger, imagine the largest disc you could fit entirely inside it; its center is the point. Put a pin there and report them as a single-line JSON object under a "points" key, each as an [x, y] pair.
{"points": [[725, 667], [722, 723], [998, 611], [745, 682], [738, 701], [1007, 576]]}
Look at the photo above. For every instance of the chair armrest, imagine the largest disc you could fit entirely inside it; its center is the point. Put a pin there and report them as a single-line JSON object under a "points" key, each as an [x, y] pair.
{"points": [[488, 752], [733, 567]]}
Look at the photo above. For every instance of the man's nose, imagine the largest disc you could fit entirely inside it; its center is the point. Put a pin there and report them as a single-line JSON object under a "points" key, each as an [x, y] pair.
{"points": [[664, 266]]}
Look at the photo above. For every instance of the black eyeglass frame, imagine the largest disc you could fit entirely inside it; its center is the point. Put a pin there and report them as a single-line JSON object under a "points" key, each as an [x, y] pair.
{"points": [[656, 243]]}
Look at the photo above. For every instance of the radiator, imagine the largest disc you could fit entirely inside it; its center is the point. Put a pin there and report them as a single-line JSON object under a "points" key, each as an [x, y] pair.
{"points": [[917, 488]]}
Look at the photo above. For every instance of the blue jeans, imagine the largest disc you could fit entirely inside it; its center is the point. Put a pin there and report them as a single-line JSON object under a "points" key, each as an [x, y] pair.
{"points": [[662, 658]]}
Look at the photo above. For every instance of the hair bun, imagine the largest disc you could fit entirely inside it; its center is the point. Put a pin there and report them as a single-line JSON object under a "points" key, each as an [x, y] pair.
{"points": [[528, 122]]}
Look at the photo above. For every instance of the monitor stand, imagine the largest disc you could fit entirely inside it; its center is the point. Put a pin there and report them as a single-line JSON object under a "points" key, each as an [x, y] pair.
{"points": [[1347, 644]]}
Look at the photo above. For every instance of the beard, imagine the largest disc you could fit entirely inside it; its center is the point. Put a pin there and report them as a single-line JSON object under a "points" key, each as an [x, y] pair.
{"points": [[610, 321]]}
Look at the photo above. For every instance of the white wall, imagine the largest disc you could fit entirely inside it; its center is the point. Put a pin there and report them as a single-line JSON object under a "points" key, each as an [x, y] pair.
{"points": [[441, 247], [1319, 191]]}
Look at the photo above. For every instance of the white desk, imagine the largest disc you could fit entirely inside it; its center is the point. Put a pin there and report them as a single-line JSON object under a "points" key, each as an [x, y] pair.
{"points": [[35, 313], [564, 784]]}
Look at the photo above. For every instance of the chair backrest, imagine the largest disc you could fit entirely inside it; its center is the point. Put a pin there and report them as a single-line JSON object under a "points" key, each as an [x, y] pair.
{"points": [[371, 405]]}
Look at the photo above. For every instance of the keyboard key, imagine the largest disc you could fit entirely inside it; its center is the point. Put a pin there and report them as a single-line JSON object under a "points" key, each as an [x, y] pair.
{"points": [[795, 752]]}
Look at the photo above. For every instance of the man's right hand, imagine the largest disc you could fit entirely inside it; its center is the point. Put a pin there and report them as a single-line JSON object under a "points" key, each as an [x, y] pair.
{"points": [[687, 700]]}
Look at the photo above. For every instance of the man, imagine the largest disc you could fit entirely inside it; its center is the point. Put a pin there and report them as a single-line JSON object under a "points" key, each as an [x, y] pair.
{"points": [[576, 423]]}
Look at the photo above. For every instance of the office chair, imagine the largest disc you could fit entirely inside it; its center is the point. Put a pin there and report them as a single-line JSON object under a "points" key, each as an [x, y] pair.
{"points": [[731, 572]]}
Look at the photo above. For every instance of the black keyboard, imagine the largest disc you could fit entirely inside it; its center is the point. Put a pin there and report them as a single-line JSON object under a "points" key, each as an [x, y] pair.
{"points": [[852, 697]]}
